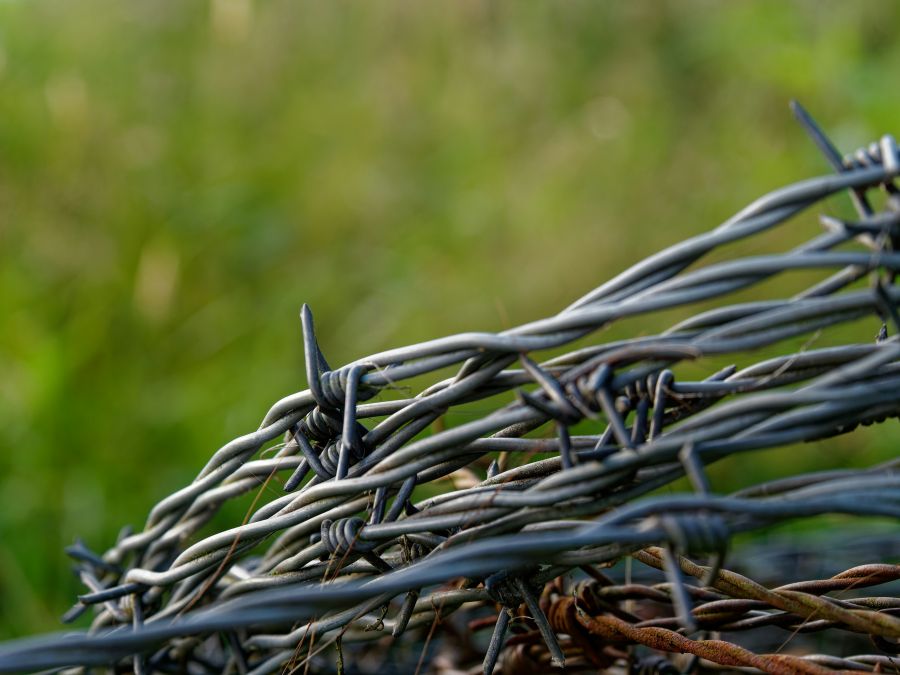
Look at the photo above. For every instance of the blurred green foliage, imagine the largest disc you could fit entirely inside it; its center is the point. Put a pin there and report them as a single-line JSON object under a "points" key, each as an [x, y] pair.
{"points": [[176, 178]]}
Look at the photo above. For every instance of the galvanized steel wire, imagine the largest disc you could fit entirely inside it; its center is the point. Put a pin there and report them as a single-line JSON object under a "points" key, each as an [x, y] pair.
{"points": [[359, 548]]}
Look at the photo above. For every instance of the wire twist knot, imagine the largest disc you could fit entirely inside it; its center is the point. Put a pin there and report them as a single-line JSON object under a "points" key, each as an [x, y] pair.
{"points": [[331, 454], [343, 536], [695, 533], [320, 425], [334, 383]]}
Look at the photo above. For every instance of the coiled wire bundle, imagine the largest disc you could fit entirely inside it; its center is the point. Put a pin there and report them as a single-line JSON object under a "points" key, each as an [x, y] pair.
{"points": [[363, 555]]}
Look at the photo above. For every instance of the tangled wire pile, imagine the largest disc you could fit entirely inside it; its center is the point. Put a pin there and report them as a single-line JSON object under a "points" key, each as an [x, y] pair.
{"points": [[355, 570]]}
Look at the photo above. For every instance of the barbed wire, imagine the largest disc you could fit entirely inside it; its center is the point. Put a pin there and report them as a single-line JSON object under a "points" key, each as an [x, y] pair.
{"points": [[362, 547]]}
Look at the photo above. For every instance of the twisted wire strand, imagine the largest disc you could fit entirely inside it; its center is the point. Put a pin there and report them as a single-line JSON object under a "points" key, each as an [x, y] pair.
{"points": [[351, 538], [737, 604]]}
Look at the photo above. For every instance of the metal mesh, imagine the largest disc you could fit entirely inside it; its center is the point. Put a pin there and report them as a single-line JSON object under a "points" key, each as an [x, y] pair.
{"points": [[399, 538]]}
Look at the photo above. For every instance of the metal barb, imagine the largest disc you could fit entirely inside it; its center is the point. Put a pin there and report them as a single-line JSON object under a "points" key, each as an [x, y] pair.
{"points": [[496, 643]]}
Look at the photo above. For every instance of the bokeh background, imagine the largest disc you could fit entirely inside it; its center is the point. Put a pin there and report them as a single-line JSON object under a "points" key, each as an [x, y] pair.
{"points": [[176, 178]]}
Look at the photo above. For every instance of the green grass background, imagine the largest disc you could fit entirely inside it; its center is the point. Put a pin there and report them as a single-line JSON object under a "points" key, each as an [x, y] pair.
{"points": [[176, 178]]}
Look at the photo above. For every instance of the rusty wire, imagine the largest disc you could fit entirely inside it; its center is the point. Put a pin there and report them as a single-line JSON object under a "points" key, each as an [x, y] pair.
{"points": [[732, 603], [351, 553]]}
